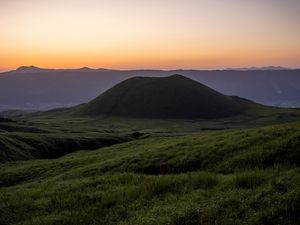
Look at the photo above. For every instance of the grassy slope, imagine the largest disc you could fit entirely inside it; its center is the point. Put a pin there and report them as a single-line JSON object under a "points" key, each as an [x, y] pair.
{"points": [[50, 135], [246, 176], [164, 97], [24, 146]]}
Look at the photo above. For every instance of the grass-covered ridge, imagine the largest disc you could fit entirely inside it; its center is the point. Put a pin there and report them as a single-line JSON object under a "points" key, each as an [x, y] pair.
{"points": [[174, 96], [242, 176]]}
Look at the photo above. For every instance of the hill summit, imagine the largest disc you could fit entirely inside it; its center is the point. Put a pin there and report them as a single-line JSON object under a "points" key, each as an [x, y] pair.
{"points": [[165, 97]]}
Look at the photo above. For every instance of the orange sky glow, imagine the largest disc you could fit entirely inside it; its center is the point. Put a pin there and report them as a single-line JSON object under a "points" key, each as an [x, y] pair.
{"points": [[163, 34]]}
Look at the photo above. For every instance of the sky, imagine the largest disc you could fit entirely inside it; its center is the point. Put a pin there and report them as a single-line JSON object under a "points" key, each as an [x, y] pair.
{"points": [[162, 34]]}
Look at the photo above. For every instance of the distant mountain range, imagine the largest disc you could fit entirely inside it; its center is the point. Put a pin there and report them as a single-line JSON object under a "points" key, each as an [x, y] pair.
{"points": [[34, 88], [260, 68], [34, 69]]}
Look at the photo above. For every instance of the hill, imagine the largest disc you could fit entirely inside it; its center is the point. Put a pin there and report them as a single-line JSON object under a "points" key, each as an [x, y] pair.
{"points": [[33, 88], [246, 176], [167, 97]]}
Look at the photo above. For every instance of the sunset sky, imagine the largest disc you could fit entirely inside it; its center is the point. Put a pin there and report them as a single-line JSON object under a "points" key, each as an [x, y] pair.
{"points": [[164, 34]]}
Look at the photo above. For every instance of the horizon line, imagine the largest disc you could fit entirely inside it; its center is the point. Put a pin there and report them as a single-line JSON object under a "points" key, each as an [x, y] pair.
{"points": [[278, 67]]}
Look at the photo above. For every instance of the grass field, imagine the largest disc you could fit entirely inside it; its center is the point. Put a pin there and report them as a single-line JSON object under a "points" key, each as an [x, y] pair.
{"points": [[235, 170], [56, 133], [239, 176]]}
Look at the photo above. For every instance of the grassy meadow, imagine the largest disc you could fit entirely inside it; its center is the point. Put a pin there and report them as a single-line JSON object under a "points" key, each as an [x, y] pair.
{"points": [[236, 170], [57, 132]]}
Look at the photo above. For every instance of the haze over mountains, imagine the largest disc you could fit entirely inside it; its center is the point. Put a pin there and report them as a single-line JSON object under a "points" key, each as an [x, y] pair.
{"points": [[34, 88]]}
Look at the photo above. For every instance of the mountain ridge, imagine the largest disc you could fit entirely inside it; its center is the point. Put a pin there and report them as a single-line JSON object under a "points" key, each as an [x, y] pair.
{"points": [[46, 89], [86, 68]]}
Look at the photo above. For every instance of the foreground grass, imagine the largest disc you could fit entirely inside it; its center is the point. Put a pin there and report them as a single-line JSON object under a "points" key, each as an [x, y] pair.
{"points": [[249, 176], [128, 198]]}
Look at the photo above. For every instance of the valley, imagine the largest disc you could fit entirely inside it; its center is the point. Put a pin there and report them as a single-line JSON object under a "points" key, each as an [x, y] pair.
{"points": [[93, 164]]}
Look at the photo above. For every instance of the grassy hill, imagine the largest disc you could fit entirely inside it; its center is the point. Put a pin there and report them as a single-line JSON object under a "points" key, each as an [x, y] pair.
{"points": [[166, 97], [240, 176]]}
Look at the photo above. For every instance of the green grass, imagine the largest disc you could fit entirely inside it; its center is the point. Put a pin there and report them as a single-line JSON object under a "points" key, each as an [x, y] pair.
{"points": [[24, 146], [52, 134], [240, 176]]}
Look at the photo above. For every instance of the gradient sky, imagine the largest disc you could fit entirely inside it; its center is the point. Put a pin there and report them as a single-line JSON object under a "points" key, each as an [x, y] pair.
{"points": [[165, 34]]}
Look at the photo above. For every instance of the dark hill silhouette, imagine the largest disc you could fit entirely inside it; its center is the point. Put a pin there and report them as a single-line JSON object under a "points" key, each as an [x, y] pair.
{"points": [[31, 69], [166, 97]]}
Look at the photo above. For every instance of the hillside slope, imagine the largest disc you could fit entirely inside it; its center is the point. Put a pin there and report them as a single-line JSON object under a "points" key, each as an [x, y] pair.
{"points": [[249, 176], [168, 97]]}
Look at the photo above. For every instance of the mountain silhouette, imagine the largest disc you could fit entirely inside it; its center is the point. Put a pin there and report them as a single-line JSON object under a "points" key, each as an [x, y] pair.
{"points": [[165, 97], [30, 69]]}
